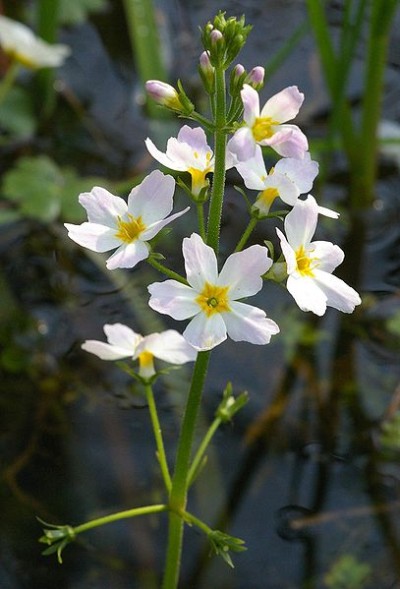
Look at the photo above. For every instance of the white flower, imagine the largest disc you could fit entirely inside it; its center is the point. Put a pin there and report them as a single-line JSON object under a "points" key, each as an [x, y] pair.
{"points": [[269, 127], [113, 223], [212, 298], [288, 179], [309, 264], [189, 152], [20, 43], [123, 342]]}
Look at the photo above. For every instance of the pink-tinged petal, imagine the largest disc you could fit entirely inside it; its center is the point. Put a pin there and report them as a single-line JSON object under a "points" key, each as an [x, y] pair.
{"points": [[328, 254], [249, 324], [152, 200], [253, 170], [97, 238], [339, 295], [194, 137], [204, 333], [169, 346], [288, 253], [173, 298], [105, 351], [301, 222], [288, 141], [102, 207], [284, 105], [163, 158], [251, 104], [153, 229], [122, 336], [307, 293], [200, 262], [301, 171], [242, 145], [128, 255], [242, 272]]}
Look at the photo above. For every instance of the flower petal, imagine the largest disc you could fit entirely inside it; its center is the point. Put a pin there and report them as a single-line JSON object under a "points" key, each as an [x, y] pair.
{"points": [[251, 104], [173, 298], [122, 336], [339, 295], [194, 137], [242, 145], [301, 171], [253, 170], [288, 141], [249, 324], [284, 105], [128, 255], [204, 333], [164, 158], [288, 252], [102, 207], [328, 254], [286, 188], [200, 262], [242, 272], [307, 293], [97, 238], [169, 346], [301, 222], [105, 351], [153, 198], [154, 228]]}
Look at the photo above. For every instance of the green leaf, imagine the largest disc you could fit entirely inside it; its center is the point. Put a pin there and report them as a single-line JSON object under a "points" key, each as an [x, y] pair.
{"points": [[34, 184], [76, 11], [17, 115]]}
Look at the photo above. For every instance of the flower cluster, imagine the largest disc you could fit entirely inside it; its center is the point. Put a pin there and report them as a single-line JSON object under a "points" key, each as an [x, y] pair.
{"points": [[213, 301]]}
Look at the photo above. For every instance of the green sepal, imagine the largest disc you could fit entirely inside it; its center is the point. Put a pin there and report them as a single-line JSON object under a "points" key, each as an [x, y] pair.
{"points": [[229, 404], [222, 543]]}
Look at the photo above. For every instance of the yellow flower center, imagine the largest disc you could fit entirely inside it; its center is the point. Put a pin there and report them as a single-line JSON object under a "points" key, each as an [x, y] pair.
{"points": [[146, 364], [199, 176], [22, 58], [130, 230], [214, 299], [305, 264], [267, 196], [262, 128]]}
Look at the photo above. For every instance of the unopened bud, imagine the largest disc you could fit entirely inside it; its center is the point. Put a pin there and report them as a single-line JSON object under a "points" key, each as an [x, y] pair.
{"points": [[207, 72], [256, 77], [216, 36], [164, 94]]}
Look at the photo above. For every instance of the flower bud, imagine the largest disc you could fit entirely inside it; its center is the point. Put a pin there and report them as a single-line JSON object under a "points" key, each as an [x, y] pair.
{"points": [[256, 77], [207, 72], [163, 94], [238, 75]]}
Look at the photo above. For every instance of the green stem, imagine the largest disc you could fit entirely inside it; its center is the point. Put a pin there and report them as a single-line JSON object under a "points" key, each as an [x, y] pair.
{"points": [[164, 270], [246, 234], [108, 519], [9, 79], [202, 448], [218, 185], [193, 520], [158, 436], [180, 479], [200, 219], [364, 175], [206, 123]]}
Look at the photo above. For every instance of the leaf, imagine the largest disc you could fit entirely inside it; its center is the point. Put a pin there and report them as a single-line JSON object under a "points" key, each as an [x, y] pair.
{"points": [[76, 11], [17, 115], [34, 184]]}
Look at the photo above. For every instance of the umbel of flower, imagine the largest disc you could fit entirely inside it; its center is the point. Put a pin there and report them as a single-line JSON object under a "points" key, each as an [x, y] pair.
{"points": [[188, 152], [269, 126], [22, 45], [310, 263], [126, 227], [211, 299], [289, 178], [123, 342]]}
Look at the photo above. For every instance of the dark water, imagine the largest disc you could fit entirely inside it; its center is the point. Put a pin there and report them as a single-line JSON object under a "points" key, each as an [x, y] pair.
{"points": [[305, 473]]}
